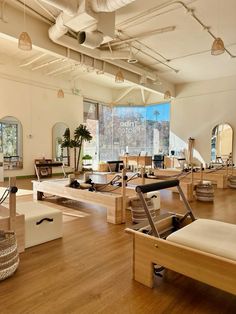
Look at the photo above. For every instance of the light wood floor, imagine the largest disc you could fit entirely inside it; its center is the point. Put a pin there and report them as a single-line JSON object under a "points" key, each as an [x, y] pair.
{"points": [[90, 269]]}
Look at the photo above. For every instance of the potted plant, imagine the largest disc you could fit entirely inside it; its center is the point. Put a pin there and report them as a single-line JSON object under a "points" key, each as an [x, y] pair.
{"points": [[87, 160], [81, 134], [66, 143]]}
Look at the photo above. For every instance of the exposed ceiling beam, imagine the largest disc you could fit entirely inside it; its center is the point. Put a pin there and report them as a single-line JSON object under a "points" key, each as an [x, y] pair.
{"points": [[59, 69], [125, 93], [39, 35], [143, 95], [32, 60], [46, 64]]}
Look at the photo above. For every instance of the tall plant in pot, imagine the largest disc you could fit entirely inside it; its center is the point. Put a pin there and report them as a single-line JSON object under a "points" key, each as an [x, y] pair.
{"points": [[66, 143], [81, 134]]}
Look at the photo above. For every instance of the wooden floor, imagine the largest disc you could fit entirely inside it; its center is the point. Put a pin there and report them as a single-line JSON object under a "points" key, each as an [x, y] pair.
{"points": [[90, 269]]}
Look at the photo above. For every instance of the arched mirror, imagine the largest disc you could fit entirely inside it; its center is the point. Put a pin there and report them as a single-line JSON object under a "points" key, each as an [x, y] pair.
{"points": [[60, 143], [11, 143], [221, 143]]}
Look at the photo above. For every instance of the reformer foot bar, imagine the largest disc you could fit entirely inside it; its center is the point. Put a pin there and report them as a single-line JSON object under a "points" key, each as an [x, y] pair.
{"points": [[202, 249], [141, 189]]}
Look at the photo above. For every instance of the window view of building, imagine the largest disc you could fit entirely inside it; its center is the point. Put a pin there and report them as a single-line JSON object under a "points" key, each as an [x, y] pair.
{"points": [[11, 142], [9, 138], [129, 129]]}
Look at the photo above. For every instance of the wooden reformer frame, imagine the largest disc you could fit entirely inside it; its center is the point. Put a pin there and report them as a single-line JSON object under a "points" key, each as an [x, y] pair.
{"points": [[149, 250], [10, 220], [115, 203]]}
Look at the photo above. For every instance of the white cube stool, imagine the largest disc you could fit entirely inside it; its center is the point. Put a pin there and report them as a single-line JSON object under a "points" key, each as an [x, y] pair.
{"points": [[156, 199], [42, 223]]}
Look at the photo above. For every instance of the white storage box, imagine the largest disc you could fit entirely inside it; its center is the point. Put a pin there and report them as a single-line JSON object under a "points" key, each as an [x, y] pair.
{"points": [[42, 223], [156, 199]]}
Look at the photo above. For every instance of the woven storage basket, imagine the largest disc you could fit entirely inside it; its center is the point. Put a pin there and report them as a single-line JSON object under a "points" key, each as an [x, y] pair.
{"points": [[138, 212], [9, 257], [232, 182], [205, 192]]}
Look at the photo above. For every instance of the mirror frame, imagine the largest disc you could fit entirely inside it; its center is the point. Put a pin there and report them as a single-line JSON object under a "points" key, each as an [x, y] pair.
{"points": [[15, 162], [54, 147], [230, 156]]}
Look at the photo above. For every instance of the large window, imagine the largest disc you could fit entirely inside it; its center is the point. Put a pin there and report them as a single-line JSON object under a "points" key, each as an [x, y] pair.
{"points": [[133, 130], [128, 129]]}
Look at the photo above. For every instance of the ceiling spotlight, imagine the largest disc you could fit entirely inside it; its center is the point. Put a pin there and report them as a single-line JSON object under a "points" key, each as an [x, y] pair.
{"points": [[102, 70], [218, 47], [143, 80], [131, 59], [99, 72], [167, 95], [119, 78], [157, 80], [60, 93]]}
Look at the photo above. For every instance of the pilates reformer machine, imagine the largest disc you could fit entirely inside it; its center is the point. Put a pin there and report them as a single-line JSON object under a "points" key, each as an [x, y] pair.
{"points": [[112, 194], [218, 176], [202, 249]]}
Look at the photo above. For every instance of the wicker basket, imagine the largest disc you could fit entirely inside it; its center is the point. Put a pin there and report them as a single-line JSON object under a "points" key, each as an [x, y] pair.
{"points": [[232, 182], [9, 257], [205, 192], [138, 212]]}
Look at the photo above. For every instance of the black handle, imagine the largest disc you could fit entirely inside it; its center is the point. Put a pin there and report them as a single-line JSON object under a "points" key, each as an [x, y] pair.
{"points": [[13, 189], [157, 186], [44, 219]]}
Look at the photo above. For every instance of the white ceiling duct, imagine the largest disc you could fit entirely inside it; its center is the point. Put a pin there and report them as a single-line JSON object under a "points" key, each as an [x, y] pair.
{"points": [[69, 7], [108, 5], [57, 33], [90, 39], [58, 29]]}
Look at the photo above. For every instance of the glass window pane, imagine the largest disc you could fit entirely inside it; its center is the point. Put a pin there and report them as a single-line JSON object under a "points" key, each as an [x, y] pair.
{"points": [[90, 111], [105, 133], [158, 128], [129, 130]]}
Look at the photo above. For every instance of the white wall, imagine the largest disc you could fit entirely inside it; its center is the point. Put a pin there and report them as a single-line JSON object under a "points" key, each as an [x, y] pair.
{"points": [[200, 106], [34, 102]]}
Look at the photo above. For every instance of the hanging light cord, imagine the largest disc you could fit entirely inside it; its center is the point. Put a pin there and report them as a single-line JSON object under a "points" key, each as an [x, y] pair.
{"points": [[188, 10], [24, 17]]}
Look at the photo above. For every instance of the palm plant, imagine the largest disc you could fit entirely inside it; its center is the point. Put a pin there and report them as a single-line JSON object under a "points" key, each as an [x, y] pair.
{"points": [[66, 143], [81, 134]]}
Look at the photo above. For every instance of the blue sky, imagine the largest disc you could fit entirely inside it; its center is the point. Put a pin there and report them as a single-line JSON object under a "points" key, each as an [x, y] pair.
{"points": [[163, 109], [148, 112]]}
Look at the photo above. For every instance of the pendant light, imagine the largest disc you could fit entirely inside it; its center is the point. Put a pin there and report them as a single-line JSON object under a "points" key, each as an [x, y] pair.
{"points": [[167, 95], [131, 59], [218, 47], [119, 78], [24, 41], [60, 93]]}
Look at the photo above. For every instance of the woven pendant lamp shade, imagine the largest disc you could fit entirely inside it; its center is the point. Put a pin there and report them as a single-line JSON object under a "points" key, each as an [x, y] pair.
{"points": [[119, 78], [218, 47], [24, 41], [60, 93], [167, 95]]}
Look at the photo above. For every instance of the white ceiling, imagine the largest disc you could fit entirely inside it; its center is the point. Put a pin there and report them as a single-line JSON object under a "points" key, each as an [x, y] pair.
{"points": [[185, 50]]}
